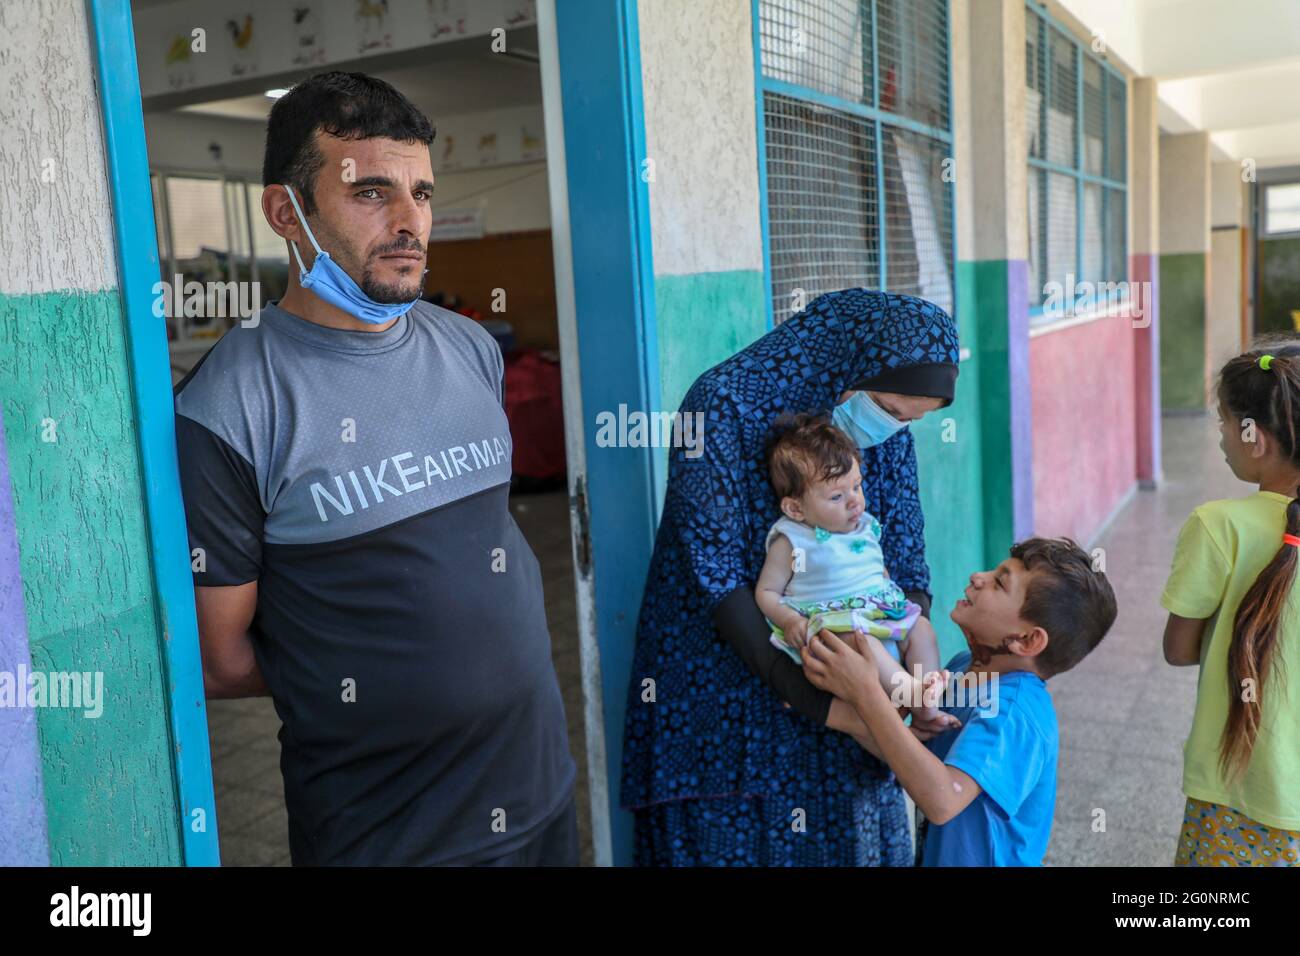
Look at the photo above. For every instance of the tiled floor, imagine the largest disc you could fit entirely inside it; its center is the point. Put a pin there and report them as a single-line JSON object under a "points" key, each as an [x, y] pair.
{"points": [[1123, 712], [252, 823]]}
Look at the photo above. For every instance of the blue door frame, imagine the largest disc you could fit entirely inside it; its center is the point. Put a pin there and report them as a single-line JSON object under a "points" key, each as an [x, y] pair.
{"points": [[613, 278], [113, 45], [600, 71]]}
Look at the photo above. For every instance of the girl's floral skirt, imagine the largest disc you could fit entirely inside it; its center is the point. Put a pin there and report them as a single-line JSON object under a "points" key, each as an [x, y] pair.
{"points": [[1215, 835]]}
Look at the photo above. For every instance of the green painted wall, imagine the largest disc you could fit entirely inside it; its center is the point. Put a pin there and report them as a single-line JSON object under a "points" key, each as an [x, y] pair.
{"points": [[702, 319], [1279, 284], [1182, 330], [983, 298], [948, 460], [87, 580]]}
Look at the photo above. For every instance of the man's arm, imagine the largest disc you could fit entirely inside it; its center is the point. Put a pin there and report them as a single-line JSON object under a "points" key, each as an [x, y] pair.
{"points": [[229, 667]]}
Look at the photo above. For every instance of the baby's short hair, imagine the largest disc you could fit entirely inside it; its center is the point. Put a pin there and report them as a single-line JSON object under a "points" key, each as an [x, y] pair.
{"points": [[805, 448]]}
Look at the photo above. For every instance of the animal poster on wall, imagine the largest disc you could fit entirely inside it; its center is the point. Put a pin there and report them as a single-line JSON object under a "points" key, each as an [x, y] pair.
{"points": [[192, 44], [179, 60], [491, 138], [239, 31], [374, 26], [308, 35], [447, 18]]}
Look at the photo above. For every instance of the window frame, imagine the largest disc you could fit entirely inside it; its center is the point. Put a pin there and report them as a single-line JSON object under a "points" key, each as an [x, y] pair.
{"points": [[1077, 172], [1265, 232], [880, 119]]}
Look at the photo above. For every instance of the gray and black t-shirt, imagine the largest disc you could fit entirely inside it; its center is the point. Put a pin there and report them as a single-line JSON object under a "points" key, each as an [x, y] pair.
{"points": [[361, 478]]}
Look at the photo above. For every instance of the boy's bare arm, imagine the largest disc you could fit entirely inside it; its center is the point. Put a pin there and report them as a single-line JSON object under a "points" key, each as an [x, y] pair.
{"points": [[940, 791], [846, 720]]}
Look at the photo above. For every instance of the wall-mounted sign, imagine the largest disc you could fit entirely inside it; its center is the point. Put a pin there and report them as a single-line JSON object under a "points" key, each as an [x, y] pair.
{"points": [[456, 224]]}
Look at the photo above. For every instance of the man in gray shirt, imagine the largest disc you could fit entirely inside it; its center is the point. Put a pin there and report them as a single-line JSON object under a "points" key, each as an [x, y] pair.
{"points": [[345, 463]]}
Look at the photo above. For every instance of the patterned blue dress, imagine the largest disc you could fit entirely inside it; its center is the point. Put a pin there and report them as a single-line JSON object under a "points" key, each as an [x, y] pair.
{"points": [[715, 769]]}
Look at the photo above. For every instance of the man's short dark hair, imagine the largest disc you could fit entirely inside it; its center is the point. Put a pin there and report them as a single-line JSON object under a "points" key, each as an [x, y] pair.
{"points": [[347, 105], [1065, 597]]}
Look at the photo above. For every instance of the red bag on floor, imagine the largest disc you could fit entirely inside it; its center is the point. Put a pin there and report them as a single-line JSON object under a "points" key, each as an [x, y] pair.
{"points": [[535, 409]]}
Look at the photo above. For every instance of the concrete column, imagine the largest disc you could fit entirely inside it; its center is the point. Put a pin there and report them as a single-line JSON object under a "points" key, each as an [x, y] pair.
{"points": [[1225, 331], [1184, 270], [992, 274], [1144, 270]]}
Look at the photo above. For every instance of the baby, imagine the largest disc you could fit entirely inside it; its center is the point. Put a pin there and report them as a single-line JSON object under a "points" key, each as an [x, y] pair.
{"points": [[824, 566]]}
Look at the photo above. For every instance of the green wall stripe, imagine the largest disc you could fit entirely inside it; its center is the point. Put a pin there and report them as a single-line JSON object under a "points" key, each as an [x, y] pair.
{"points": [[1182, 330], [984, 296], [87, 582], [702, 318]]}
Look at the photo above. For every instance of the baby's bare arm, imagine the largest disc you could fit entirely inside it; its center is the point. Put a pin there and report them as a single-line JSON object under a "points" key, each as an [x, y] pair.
{"points": [[777, 571]]}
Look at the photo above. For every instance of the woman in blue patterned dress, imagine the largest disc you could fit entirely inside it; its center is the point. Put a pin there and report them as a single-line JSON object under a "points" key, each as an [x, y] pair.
{"points": [[716, 769]]}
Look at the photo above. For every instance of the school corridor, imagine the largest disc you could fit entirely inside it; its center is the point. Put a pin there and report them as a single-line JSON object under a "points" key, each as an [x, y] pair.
{"points": [[1124, 712]]}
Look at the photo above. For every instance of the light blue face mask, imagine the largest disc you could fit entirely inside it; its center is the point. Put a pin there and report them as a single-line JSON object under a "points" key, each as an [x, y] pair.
{"points": [[864, 421], [328, 281]]}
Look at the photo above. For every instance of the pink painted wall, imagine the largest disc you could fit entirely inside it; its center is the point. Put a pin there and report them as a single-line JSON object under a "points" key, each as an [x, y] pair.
{"points": [[1085, 445]]}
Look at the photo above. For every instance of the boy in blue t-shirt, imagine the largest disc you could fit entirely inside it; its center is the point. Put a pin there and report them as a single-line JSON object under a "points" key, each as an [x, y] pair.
{"points": [[985, 778]]}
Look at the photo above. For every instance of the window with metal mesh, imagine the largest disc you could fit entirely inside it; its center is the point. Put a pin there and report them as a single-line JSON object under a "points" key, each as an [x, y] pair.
{"points": [[918, 217], [912, 45], [823, 46], [822, 201], [1075, 144], [1116, 128], [857, 129]]}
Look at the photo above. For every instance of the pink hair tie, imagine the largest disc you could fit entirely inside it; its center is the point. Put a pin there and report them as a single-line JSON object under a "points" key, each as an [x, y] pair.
{"points": [[1292, 540]]}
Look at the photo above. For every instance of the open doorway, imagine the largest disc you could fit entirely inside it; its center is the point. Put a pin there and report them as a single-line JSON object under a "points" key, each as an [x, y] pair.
{"points": [[490, 258]]}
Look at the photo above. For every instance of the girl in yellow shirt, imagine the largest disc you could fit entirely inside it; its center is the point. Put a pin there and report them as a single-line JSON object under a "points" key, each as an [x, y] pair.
{"points": [[1233, 611]]}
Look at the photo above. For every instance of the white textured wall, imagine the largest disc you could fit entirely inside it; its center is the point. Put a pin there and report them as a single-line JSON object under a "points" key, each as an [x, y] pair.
{"points": [[988, 43], [1226, 194], [1185, 187], [697, 69], [55, 217], [1224, 320]]}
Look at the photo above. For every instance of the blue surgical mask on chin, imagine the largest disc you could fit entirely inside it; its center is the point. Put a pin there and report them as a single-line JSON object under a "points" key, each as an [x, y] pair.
{"points": [[864, 421], [329, 282]]}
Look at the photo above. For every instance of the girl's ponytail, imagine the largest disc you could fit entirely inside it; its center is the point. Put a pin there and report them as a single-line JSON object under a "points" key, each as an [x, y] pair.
{"points": [[1265, 390], [1255, 633]]}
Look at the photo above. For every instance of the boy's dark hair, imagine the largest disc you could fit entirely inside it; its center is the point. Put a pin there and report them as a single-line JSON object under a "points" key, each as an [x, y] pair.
{"points": [[805, 448], [1065, 597], [347, 105]]}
